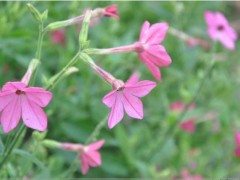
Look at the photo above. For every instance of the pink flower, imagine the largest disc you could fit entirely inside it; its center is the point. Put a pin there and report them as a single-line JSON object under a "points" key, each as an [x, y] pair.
{"points": [[150, 52], [188, 125], [58, 37], [18, 100], [187, 176], [126, 97], [89, 155], [219, 29], [237, 151], [111, 11], [237, 138], [178, 106]]}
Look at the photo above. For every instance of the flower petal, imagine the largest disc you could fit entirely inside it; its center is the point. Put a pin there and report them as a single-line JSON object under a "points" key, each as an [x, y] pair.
{"points": [[226, 41], [109, 99], [156, 33], [5, 98], [84, 164], [38, 95], [141, 89], [132, 80], [158, 55], [132, 105], [11, 115], [152, 67], [96, 145], [33, 116], [12, 86], [144, 30], [116, 113], [94, 158], [210, 18]]}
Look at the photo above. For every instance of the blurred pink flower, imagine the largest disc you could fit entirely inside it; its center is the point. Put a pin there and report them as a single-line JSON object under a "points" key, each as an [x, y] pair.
{"points": [[237, 138], [219, 29], [237, 143], [178, 106], [126, 97], [187, 176], [18, 100], [150, 52], [58, 37], [89, 155], [237, 151], [188, 125], [111, 11]]}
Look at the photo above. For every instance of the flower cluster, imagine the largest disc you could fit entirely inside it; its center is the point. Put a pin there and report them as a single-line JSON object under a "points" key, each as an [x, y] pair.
{"points": [[20, 100]]}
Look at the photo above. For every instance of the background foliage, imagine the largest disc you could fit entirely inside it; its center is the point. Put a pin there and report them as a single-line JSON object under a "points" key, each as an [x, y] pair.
{"points": [[133, 148]]}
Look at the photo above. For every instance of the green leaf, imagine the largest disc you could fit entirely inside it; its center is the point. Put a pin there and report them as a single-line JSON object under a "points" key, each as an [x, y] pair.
{"points": [[2, 147]]}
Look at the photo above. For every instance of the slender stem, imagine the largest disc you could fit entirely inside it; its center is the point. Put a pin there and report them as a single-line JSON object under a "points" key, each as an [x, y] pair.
{"points": [[115, 50], [40, 41], [18, 134], [97, 130], [61, 74]]}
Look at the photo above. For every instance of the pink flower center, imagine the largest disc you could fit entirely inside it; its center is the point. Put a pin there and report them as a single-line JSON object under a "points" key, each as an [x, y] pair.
{"points": [[19, 92], [220, 28]]}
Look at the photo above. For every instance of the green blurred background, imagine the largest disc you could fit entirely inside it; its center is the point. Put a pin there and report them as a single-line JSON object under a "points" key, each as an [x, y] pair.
{"points": [[133, 148]]}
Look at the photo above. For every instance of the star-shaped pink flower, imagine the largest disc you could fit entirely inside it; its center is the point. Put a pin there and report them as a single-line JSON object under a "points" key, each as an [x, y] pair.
{"points": [[126, 98], [150, 52], [219, 29], [18, 100], [88, 155]]}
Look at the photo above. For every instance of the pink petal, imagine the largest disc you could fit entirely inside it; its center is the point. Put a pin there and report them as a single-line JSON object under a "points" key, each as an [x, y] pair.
{"points": [[12, 86], [226, 41], [221, 19], [153, 68], [188, 125], [84, 164], [111, 11], [109, 99], [117, 112], [132, 80], [158, 55], [144, 30], [210, 18], [213, 33], [11, 114], [38, 95], [5, 98], [132, 105], [141, 88], [94, 158], [237, 138], [33, 116], [231, 33], [156, 33], [96, 145]]}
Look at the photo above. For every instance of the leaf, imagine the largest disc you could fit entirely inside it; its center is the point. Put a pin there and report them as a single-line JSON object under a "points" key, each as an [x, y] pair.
{"points": [[2, 147]]}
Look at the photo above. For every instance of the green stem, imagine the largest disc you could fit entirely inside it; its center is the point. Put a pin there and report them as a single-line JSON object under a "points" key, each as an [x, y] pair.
{"points": [[40, 41], [61, 74], [97, 130], [18, 134]]}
